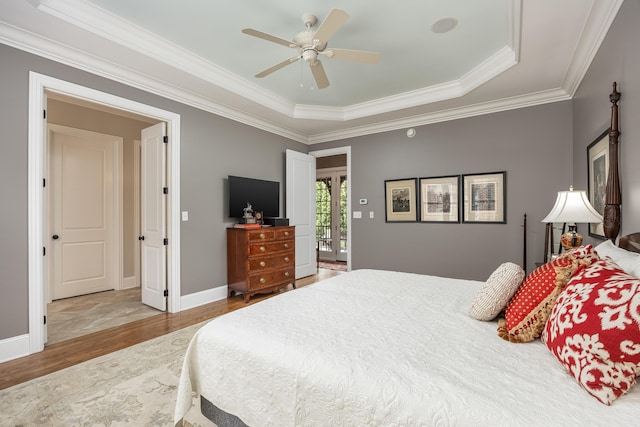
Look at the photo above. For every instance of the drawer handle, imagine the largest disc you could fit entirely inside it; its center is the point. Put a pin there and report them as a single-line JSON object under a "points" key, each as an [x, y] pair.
{"points": [[286, 233], [262, 249], [262, 263], [262, 280], [262, 236], [286, 245], [286, 274], [286, 259]]}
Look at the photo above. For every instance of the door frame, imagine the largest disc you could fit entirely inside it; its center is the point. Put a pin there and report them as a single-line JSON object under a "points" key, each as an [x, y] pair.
{"points": [[332, 152], [39, 84]]}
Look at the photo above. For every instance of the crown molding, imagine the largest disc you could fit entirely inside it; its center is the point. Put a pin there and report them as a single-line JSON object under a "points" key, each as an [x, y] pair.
{"points": [[529, 100], [46, 48], [602, 13]]}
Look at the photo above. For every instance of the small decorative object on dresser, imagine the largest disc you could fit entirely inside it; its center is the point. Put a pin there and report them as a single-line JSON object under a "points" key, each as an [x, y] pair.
{"points": [[260, 260]]}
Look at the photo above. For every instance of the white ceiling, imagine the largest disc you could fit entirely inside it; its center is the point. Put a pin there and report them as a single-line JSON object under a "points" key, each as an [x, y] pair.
{"points": [[502, 54]]}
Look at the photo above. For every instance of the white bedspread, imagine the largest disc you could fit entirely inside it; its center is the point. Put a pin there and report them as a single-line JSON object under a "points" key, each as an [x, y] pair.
{"points": [[380, 348]]}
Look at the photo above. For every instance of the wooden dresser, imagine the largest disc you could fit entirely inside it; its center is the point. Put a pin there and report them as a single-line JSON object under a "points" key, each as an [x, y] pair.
{"points": [[260, 260]]}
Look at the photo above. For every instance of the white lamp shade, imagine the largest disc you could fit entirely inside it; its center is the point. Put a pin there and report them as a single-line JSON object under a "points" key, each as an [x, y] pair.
{"points": [[573, 207]]}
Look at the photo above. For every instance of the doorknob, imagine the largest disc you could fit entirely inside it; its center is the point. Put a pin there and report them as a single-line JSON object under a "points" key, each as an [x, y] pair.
{"points": [[141, 238], [55, 237]]}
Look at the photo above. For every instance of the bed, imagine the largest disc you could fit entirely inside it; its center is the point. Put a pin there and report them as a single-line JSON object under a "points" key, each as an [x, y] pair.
{"points": [[384, 348]]}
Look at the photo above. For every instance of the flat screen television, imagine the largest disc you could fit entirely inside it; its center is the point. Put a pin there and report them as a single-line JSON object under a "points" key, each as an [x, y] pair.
{"points": [[264, 196]]}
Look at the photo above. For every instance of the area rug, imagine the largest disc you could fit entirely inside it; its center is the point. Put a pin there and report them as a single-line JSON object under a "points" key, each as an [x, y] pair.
{"points": [[135, 386]]}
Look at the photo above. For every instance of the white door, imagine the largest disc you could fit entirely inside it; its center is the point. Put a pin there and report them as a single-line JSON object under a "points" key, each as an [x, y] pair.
{"points": [[301, 208], [153, 215], [83, 172]]}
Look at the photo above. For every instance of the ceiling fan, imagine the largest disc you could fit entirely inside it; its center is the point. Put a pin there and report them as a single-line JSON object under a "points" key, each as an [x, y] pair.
{"points": [[310, 44]]}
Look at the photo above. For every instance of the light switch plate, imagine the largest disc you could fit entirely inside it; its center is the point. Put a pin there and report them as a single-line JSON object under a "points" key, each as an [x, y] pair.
{"points": [[363, 201], [185, 215]]}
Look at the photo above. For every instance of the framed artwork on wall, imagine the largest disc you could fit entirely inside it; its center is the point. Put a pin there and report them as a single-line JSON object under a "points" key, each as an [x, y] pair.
{"points": [[439, 199], [597, 172], [485, 198], [400, 200]]}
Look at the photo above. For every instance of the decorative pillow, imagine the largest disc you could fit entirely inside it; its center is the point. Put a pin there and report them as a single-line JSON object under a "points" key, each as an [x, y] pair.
{"points": [[594, 330], [583, 252], [628, 261], [528, 310], [497, 291]]}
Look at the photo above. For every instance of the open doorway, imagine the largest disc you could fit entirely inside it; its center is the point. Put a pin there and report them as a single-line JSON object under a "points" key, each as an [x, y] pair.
{"points": [[39, 237], [331, 211], [93, 205], [333, 222]]}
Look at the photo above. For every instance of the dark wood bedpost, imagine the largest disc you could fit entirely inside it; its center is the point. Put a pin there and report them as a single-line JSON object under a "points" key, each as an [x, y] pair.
{"points": [[613, 198]]}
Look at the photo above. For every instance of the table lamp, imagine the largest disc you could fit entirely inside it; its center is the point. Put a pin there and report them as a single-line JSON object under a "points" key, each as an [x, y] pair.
{"points": [[572, 207]]}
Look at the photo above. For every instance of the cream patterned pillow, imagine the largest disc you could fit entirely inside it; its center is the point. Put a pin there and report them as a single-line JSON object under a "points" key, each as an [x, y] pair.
{"points": [[497, 291]]}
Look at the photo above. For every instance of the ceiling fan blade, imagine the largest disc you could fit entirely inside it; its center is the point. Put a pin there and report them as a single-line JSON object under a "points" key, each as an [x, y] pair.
{"points": [[319, 74], [332, 23], [352, 55], [278, 66], [269, 37]]}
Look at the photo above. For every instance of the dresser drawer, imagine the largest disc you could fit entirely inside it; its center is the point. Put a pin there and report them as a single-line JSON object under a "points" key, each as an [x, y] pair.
{"points": [[269, 262], [273, 277], [284, 232], [267, 248], [262, 234]]}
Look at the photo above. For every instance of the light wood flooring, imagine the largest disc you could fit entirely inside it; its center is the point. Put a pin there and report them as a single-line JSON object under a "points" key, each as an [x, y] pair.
{"points": [[77, 350]]}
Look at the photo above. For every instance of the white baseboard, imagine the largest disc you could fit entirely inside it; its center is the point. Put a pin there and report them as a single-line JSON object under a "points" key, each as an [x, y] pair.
{"points": [[202, 297], [14, 347], [129, 282]]}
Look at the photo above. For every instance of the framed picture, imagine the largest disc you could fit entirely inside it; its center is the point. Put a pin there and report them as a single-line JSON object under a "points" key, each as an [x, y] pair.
{"points": [[597, 171], [401, 200], [485, 197], [439, 199]]}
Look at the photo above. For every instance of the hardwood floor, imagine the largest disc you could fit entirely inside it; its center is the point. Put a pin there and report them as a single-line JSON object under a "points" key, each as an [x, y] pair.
{"points": [[77, 350]]}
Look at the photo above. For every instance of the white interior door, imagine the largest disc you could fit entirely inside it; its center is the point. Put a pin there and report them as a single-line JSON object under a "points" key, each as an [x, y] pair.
{"points": [[83, 173], [301, 208], [153, 251]]}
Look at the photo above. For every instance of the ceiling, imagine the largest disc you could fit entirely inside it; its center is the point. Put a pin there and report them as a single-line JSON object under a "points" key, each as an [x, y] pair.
{"points": [[502, 54]]}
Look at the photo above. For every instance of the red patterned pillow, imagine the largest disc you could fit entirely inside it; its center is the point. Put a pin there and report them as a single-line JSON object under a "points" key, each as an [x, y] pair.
{"points": [[594, 330], [528, 310]]}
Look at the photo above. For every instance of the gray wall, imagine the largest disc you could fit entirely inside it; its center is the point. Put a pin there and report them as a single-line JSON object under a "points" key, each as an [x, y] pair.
{"points": [[212, 148], [618, 59], [532, 145]]}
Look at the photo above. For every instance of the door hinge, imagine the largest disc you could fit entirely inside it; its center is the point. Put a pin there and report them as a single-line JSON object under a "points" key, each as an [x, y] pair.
{"points": [[165, 190], [166, 241], [44, 182], [166, 292], [165, 139], [44, 251], [44, 114], [45, 320]]}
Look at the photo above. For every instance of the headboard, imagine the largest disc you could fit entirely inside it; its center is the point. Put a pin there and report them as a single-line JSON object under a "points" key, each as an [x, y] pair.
{"points": [[630, 242]]}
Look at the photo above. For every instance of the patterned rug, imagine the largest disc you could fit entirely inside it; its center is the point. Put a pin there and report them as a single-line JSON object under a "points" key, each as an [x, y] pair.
{"points": [[135, 386]]}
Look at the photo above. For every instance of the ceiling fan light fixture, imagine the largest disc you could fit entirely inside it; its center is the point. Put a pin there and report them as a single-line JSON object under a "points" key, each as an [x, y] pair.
{"points": [[310, 55], [444, 25]]}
